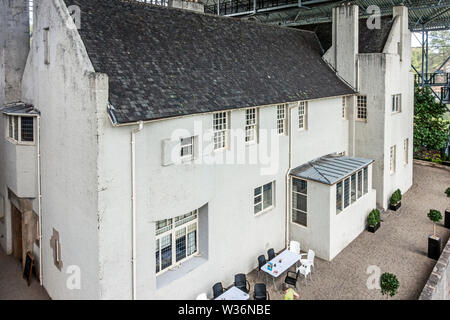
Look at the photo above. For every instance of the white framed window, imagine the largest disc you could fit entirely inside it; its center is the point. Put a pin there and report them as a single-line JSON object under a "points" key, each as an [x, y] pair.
{"points": [[344, 108], [281, 119], [251, 126], [176, 240], [20, 129], [350, 189], [220, 128], [396, 103], [406, 150], [361, 108], [46, 41], [392, 159], [299, 201], [263, 198], [302, 114], [187, 148]]}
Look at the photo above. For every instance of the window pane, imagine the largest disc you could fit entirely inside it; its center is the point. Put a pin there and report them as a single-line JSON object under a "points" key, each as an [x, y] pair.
{"points": [[16, 128], [338, 197], [299, 217], [366, 180], [353, 187], [27, 129], [258, 208], [192, 239], [180, 244], [299, 186], [157, 256], [299, 202], [346, 192], [11, 127], [267, 196], [166, 251], [258, 191], [359, 184]]}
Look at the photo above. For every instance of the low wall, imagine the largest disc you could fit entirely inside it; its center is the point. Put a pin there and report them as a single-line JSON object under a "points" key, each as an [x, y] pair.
{"points": [[438, 284]]}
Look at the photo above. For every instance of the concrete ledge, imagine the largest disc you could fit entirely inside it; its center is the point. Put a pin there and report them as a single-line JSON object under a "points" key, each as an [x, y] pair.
{"points": [[438, 284]]}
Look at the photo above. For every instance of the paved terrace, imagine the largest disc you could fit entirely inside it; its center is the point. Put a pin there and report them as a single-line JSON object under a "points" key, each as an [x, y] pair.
{"points": [[399, 246], [13, 286]]}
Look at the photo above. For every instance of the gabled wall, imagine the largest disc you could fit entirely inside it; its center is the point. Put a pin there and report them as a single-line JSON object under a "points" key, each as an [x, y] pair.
{"points": [[65, 92]]}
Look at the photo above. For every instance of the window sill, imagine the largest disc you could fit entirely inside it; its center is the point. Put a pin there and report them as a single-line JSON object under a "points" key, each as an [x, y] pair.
{"points": [[264, 211], [250, 143], [299, 225], [19, 143], [176, 273], [361, 120]]}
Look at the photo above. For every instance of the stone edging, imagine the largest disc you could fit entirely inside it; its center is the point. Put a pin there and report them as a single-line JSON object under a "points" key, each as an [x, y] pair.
{"points": [[438, 274], [431, 164]]}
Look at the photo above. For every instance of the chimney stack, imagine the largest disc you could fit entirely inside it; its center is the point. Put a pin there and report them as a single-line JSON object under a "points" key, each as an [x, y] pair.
{"points": [[344, 49], [14, 48]]}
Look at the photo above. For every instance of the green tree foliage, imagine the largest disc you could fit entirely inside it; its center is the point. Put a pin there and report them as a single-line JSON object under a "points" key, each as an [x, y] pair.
{"points": [[439, 50], [430, 128]]}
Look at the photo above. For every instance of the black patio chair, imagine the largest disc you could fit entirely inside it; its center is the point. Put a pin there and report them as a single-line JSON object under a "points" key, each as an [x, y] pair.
{"points": [[240, 282], [261, 262], [217, 289], [260, 292], [290, 279], [271, 254]]}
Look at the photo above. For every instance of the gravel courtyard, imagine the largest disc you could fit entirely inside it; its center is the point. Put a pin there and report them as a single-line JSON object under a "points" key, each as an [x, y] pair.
{"points": [[399, 247]]}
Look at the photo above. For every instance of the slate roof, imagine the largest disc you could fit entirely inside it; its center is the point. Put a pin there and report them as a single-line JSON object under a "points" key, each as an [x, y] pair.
{"points": [[330, 169], [164, 62], [19, 108], [370, 40]]}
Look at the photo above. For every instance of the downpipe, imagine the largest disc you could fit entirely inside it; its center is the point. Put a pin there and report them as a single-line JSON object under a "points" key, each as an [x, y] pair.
{"points": [[38, 142], [133, 207]]}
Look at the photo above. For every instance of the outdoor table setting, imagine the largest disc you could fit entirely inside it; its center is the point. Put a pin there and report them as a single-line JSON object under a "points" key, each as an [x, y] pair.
{"points": [[233, 294], [280, 264]]}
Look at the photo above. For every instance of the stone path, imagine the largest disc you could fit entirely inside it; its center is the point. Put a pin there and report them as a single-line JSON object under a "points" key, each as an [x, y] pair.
{"points": [[399, 247]]}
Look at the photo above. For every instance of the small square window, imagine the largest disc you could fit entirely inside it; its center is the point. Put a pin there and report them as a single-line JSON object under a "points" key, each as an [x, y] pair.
{"points": [[187, 148]]}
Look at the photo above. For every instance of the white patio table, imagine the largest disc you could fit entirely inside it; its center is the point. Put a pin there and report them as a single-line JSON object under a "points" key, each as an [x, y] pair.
{"points": [[233, 294], [281, 263]]}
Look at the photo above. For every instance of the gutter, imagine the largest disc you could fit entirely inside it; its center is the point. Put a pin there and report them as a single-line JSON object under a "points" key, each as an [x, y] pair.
{"points": [[133, 207]]}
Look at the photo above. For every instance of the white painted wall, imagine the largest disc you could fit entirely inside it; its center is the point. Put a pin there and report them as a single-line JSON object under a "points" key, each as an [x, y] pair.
{"points": [[64, 93]]}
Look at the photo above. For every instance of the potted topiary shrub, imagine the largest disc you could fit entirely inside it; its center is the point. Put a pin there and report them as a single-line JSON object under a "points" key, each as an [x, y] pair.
{"points": [[396, 200], [389, 284], [448, 192], [374, 220], [434, 242]]}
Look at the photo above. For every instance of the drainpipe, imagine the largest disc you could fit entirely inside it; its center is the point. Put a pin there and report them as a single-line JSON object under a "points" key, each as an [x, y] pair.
{"points": [[289, 120], [133, 207], [38, 142]]}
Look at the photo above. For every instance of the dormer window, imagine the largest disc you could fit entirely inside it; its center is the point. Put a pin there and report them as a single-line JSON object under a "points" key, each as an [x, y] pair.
{"points": [[20, 129]]}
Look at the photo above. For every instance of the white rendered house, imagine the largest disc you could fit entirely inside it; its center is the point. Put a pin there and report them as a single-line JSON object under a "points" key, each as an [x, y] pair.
{"points": [[166, 157]]}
